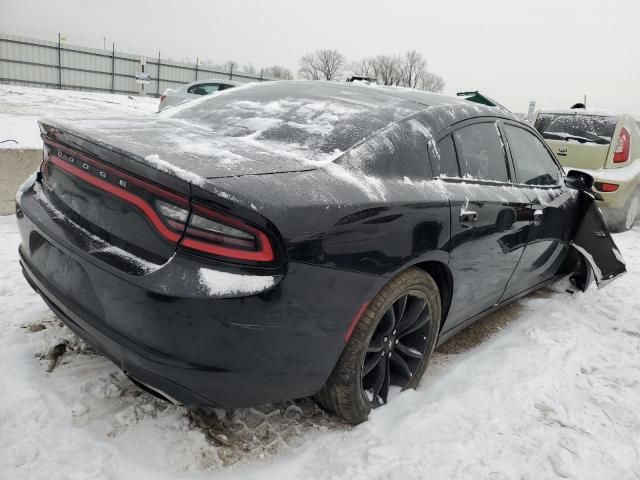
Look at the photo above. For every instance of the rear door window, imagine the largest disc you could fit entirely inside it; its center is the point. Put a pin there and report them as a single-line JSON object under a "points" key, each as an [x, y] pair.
{"points": [[577, 127], [481, 153], [533, 162], [447, 160]]}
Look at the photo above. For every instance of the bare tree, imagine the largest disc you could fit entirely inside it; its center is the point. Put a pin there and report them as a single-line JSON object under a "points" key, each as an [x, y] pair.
{"points": [[322, 65], [413, 67], [431, 82], [388, 69], [279, 72], [308, 67], [363, 67]]}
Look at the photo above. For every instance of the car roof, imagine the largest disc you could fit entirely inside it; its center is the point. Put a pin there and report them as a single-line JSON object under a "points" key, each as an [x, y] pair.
{"points": [[322, 117]]}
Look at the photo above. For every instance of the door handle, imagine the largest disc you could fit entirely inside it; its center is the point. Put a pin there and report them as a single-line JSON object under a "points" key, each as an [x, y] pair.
{"points": [[538, 216], [468, 217]]}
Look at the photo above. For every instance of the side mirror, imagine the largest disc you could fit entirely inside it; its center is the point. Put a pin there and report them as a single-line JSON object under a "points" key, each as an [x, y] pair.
{"points": [[579, 180]]}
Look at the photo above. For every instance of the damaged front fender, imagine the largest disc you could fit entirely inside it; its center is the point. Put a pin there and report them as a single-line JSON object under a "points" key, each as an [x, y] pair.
{"points": [[593, 240]]}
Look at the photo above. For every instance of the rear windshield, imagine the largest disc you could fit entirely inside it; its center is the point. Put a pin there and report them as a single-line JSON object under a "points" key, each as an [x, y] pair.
{"points": [[581, 128], [308, 119]]}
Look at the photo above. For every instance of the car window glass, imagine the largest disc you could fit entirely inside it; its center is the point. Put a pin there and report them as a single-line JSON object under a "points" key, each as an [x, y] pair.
{"points": [[203, 88], [533, 163], [481, 153], [447, 160], [576, 127]]}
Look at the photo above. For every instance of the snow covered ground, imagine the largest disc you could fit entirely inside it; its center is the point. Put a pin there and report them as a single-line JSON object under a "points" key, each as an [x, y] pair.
{"points": [[547, 388], [21, 107]]}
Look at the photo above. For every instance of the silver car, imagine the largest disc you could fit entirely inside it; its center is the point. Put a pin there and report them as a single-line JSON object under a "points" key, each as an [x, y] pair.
{"points": [[174, 96]]}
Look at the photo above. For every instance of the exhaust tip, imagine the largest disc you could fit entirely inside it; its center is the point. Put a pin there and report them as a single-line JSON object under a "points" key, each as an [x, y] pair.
{"points": [[153, 391]]}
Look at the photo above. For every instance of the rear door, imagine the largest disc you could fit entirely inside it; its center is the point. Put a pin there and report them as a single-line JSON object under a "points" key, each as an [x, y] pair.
{"points": [[489, 220], [554, 208]]}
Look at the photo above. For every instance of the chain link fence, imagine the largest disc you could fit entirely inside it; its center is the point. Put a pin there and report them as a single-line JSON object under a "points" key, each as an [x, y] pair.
{"points": [[29, 61]]}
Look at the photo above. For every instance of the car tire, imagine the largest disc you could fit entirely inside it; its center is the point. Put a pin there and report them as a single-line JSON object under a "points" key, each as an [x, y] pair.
{"points": [[383, 329], [630, 214]]}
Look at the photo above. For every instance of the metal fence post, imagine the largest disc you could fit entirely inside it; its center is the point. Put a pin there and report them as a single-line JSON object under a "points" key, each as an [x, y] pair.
{"points": [[113, 66], [158, 74], [261, 72], [197, 62], [231, 73], [59, 60]]}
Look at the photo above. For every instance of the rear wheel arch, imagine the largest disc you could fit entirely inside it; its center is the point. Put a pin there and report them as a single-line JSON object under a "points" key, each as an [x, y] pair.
{"points": [[441, 274]]}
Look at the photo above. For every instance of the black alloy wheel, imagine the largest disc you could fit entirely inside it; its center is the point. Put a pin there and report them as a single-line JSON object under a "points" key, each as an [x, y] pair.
{"points": [[397, 347], [390, 346]]}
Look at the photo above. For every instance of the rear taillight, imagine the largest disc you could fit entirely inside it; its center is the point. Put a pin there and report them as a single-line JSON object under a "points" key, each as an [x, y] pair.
{"points": [[171, 214], [162, 97], [222, 235], [623, 147], [606, 187]]}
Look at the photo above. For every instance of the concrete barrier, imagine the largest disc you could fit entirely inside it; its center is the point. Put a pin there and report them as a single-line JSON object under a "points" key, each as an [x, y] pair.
{"points": [[16, 164]]}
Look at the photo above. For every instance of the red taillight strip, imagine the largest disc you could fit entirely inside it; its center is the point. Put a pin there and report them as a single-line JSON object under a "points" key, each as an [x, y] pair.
{"points": [[169, 195], [129, 197], [264, 254]]}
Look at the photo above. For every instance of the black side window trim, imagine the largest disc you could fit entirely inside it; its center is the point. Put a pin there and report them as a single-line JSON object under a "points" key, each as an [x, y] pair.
{"points": [[436, 163], [507, 156], [536, 134]]}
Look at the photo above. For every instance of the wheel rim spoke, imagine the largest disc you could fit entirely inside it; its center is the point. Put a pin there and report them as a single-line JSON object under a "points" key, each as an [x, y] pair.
{"points": [[390, 319], [401, 305], [421, 321], [412, 314], [381, 386], [401, 366], [375, 346], [408, 352]]}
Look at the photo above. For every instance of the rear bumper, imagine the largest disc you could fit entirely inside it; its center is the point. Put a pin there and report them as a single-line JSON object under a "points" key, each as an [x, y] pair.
{"points": [[613, 205], [200, 350]]}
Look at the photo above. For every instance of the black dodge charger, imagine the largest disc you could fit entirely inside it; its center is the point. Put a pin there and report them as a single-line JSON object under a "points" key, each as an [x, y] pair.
{"points": [[290, 239]]}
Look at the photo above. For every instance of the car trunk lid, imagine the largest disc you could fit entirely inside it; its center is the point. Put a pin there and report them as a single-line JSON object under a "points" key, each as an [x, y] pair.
{"points": [[579, 155], [130, 198], [579, 139], [184, 148]]}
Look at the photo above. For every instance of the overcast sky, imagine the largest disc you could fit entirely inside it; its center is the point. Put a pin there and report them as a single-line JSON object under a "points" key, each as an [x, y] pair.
{"points": [[551, 51]]}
